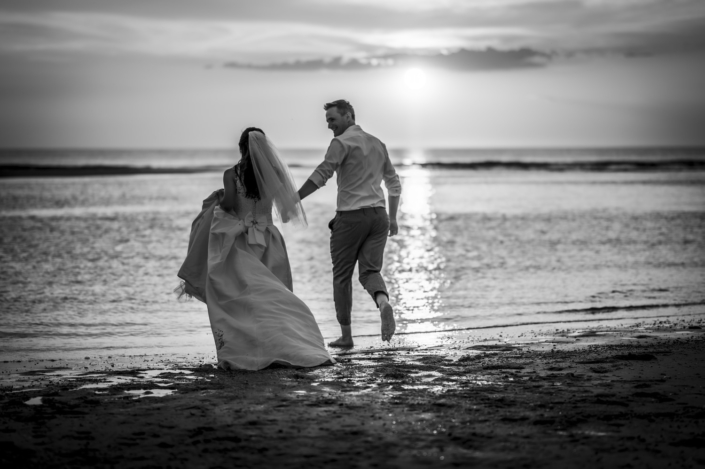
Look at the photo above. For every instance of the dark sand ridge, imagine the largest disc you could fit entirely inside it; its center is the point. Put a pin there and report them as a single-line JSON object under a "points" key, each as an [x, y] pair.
{"points": [[629, 397]]}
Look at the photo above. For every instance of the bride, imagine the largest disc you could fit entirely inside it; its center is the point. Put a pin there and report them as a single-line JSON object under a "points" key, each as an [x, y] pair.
{"points": [[238, 265]]}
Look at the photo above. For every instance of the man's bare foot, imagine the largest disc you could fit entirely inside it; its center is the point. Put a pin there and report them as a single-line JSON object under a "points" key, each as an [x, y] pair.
{"points": [[342, 343], [388, 323]]}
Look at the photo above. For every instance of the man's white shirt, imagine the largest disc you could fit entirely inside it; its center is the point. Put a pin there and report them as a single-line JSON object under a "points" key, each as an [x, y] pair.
{"points": [[361, 162]]}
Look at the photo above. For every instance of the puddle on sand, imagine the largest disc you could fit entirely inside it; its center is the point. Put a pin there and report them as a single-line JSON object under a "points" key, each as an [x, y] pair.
{"points": [[67, 372], [375, 350], [106, 383], [327, 389], [426, 376], [151, 375], [35, 401], [558, 340], [481, 382], [578, 334], [139, 393], [502, 347], [362, 391], [423, 387]]}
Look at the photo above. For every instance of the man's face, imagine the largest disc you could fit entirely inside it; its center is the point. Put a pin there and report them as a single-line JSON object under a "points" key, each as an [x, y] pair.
{"points": [[337, 122]]}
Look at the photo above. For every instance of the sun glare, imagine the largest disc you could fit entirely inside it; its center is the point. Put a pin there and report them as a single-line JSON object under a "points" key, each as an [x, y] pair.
{"points": [[415, 78]]}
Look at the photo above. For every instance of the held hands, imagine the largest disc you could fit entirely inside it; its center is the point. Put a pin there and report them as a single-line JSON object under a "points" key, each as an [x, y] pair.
{"points": [[393, 227]]}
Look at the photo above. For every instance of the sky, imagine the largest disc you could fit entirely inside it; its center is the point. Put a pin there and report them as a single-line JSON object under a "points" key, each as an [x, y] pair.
{"points": [[420, 74]]}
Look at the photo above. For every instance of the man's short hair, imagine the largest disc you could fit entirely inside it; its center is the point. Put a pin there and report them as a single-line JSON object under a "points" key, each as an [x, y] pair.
{"points": [[342, 105]]}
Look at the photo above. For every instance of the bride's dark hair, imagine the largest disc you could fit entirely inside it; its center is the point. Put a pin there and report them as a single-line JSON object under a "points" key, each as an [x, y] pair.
{"points": [[243, 169]]}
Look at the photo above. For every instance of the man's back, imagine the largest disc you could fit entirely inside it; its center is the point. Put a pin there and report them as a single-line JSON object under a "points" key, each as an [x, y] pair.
{"points": [[361, 162]]}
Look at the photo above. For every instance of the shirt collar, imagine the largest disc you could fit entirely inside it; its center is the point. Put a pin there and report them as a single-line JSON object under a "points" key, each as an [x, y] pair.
{"points": [[352, 128]]}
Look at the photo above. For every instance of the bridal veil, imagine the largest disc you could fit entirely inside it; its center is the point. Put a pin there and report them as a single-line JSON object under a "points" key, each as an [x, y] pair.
{"points": [[274, 179]]}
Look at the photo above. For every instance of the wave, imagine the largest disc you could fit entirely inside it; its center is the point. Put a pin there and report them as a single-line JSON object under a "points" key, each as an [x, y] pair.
{"points": [[8, 171], [534, 323], [670, 165], [612, 309], [597, 165], [586, 311]]}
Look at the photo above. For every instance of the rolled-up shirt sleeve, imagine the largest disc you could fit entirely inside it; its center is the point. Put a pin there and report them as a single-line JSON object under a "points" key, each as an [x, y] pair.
{"points": [[331, 162], [390, 176]]}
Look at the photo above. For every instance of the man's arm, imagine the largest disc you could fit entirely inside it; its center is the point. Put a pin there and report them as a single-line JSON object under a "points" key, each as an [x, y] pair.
{"points": [[393, 206], [393, 184], [307, 189], [325, 170]]}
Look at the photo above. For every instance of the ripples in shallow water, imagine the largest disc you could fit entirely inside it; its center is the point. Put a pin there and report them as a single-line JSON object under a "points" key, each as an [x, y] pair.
{"points": [[90, 263]]}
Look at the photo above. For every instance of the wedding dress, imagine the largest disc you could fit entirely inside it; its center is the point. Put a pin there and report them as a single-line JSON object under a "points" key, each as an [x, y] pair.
{"points": [[255, 317]]}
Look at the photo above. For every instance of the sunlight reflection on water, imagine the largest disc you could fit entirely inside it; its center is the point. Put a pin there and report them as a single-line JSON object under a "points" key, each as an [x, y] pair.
{"points": [[416, 268], [414, 157]]}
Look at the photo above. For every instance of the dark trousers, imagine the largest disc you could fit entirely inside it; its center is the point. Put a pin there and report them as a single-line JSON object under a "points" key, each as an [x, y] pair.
{"points": [[357, 236]]}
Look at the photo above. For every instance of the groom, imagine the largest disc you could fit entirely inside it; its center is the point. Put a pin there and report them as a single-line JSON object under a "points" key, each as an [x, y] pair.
{"points": [[361, 224]]}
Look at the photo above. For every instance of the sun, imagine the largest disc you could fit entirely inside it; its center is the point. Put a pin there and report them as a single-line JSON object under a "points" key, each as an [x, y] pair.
{"points": [[415, 78]]}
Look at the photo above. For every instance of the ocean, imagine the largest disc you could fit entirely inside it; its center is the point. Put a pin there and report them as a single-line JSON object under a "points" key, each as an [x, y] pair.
{"points": [[488, 238]]}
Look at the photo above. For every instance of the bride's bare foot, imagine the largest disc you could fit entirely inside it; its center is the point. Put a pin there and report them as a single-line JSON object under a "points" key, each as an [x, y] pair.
{"points": [[388, 323], [343, 342]]}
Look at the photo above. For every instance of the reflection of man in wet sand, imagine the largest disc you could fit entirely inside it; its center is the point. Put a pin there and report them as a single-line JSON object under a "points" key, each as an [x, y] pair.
{"points": [[361, 224]]}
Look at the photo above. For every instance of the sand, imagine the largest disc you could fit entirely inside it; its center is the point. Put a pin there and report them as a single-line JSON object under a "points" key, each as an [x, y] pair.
{"points": [[632, 397]]}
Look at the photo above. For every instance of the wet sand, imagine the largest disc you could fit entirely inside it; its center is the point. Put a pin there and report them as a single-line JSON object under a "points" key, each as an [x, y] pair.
{"points": [[632, 397]]}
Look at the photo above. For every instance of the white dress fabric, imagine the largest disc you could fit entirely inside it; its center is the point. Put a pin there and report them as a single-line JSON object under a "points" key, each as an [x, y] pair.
{"points": [[255, 317]]}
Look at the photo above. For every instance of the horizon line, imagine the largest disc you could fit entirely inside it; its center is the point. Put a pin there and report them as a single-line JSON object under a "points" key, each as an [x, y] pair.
{"points": [[700, 146]]}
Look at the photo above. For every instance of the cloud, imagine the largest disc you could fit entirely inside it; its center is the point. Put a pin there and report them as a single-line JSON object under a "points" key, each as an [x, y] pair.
{"points": [[110, 35], [463, 60], [317, 33]]}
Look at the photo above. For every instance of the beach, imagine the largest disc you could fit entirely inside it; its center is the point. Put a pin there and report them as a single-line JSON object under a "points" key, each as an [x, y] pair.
{"points": [[541, 171], [601, 397], [549, 313]]}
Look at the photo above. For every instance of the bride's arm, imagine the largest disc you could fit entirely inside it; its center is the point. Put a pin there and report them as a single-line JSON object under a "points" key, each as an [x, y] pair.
{"points": [[230, 196]]}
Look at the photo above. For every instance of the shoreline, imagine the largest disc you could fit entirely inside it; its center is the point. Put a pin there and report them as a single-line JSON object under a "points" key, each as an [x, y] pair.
{"points": [[608, 397], [606, 329]]}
